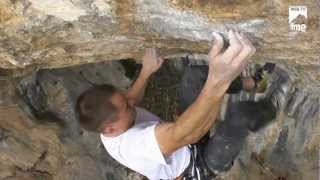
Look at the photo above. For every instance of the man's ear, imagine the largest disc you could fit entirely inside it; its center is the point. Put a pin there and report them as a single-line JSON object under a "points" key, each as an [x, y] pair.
{"points": [[109, 130], [131, 101]]}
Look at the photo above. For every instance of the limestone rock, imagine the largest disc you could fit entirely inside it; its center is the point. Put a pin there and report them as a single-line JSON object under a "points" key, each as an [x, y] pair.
{"points": [[39, 137], [34, 145], [37, 34]]}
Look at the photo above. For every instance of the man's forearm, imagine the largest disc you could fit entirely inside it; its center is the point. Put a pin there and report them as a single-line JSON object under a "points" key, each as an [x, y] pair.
{"points": [[136, 91], [151, 62]]}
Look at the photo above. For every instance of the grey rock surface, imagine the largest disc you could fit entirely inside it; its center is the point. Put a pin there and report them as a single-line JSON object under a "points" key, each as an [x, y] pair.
{"points": [[42, 40], [39, 134]]}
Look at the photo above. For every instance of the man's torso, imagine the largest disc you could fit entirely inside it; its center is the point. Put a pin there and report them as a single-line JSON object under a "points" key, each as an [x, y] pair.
{"points": [[138, 150]]}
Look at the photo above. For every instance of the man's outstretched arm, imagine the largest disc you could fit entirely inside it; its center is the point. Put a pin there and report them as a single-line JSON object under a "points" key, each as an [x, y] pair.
{"points": [[199, 117], [151, 62]]}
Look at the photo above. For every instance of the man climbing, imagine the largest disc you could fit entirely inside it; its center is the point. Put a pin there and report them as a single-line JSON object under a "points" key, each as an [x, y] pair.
{"points": [[171, 150]]}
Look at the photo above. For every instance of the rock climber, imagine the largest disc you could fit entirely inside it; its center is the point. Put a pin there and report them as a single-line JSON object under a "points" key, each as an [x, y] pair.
{"points": [[182, 148]]}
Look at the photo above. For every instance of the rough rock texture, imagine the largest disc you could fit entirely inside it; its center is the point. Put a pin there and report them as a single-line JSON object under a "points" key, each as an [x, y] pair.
{"points": [[39, 138], [47, 33], [39, 135], [53, 93], [287, 148]]}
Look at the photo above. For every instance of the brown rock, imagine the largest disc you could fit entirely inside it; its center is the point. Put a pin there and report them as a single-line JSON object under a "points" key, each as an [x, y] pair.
{"points": [[37, 34]]}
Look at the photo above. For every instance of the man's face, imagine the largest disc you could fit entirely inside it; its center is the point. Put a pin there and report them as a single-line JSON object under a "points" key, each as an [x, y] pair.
{"points": [[124, 118]]}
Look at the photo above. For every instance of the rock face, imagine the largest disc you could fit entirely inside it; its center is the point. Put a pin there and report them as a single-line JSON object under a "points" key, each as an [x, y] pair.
{"points": [[39, 137], [53, 93], [47, 33], [288, 147]]}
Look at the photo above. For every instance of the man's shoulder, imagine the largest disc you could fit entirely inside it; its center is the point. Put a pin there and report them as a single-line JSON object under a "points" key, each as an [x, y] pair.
{"points": [[135, 131], [139, 137], [143, 115]]}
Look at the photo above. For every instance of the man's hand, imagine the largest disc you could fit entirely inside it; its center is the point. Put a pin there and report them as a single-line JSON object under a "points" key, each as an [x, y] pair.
{"points": [[151, 61], [225, 67]]}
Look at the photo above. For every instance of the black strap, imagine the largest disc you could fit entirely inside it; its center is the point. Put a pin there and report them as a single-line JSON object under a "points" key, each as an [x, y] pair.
{"points": [[192, 172]]}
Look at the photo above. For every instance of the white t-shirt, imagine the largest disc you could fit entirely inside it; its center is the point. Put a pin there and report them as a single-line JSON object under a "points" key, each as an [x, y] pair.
{"points": [[137, 149]]}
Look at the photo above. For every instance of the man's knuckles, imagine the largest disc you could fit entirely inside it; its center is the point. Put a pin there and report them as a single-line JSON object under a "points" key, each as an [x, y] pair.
{"points": [[247, 49], [235, 49]]}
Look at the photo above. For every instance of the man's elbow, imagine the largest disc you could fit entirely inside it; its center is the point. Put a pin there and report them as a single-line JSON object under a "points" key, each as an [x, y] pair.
{"points": [[132, 101], [171, 137], [191, 139], [186, 139]]}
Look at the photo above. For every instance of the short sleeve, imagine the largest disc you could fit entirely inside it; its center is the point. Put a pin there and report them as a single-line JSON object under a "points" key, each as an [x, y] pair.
{"points": [[154, 146], [138, 149], [143, 146]]}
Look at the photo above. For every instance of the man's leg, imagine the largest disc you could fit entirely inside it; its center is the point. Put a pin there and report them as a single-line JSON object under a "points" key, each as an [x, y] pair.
{"points": [[225, 145], [241, 117], [221, 150]]}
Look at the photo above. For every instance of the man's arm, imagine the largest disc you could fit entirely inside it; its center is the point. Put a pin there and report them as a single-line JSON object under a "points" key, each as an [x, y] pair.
{"points": [[198, 118], [151, 62], [136, 92]]}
